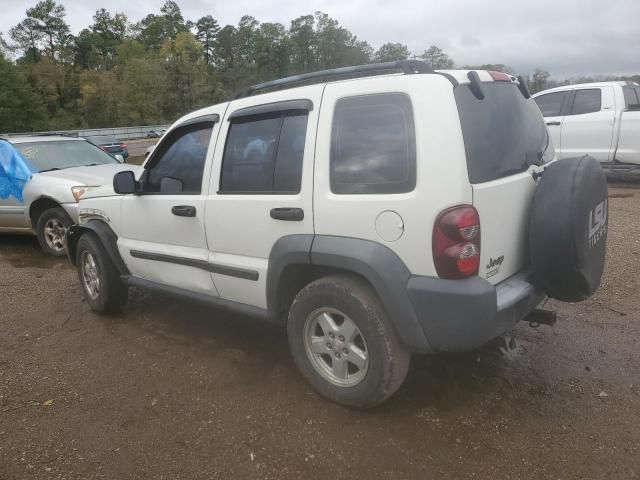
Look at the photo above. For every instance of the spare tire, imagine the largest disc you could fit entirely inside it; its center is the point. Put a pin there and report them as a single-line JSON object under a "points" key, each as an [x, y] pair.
{"points": [[568, 228]]}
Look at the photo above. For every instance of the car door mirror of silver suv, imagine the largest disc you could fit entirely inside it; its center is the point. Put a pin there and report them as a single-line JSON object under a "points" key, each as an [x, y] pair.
{"points": [[125, 183]]}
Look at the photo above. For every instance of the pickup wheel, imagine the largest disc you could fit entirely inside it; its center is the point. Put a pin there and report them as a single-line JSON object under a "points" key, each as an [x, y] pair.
{"points": [[51, 227], [343, 343], [103, 289]]}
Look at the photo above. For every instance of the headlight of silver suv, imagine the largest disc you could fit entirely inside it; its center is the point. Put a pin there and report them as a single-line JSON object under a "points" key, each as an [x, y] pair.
{"points": [[80, 190]]}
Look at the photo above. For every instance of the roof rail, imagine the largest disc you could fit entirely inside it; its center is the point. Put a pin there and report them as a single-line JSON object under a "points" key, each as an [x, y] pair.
{"points": [[407, 67]]}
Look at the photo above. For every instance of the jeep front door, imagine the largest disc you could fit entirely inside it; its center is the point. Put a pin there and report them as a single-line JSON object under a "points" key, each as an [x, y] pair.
{"points": [[162, 237]]}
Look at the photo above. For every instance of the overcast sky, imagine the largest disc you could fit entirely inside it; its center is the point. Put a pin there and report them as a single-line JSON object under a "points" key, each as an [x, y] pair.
{"points": [[566, 37]]}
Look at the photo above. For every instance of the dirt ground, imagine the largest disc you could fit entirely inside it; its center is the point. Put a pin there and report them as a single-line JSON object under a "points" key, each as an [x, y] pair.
{"points": [[172, 390]]}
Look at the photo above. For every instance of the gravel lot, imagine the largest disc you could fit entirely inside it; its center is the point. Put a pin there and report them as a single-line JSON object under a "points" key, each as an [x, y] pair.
{"points": [[172, 390]]}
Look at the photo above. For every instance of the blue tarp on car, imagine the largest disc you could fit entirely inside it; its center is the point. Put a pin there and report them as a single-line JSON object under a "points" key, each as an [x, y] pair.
{"points": [[14, 172]]}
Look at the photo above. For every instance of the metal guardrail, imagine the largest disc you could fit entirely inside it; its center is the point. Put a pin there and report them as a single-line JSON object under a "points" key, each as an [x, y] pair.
{"points": [[121, 133]]}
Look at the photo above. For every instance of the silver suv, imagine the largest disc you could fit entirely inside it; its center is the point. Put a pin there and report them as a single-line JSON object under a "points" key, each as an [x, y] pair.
{"points": [[41, 181]]}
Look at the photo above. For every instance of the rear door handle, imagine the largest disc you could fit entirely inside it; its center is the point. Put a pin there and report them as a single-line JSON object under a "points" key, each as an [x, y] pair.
{"points": [[553, 123], [287, 214], [184, 211]]}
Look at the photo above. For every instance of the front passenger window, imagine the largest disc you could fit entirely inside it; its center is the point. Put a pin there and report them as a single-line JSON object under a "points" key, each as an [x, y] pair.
{"points": [[178, 165]]}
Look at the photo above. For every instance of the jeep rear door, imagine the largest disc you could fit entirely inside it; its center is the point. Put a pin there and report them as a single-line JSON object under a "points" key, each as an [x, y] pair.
{"points": [[505, 137], [261, 187]]}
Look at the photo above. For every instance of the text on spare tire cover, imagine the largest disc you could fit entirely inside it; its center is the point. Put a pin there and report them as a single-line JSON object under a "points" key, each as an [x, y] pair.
{"points": [[597, 223]]}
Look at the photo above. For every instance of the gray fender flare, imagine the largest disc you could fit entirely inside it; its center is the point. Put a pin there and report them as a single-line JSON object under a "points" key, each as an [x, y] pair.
{"points": [[378, 264], [105, 234]]}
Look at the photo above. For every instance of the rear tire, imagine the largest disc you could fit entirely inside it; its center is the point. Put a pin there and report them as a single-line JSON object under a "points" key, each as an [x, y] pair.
{"points": [[103, 289], [342, 341], [51, 228]]}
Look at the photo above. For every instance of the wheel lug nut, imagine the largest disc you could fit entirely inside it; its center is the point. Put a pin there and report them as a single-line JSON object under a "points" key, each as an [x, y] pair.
{"points": [[331, 335], [337, 355], [345, 351], [341, 338], [329, 345]]}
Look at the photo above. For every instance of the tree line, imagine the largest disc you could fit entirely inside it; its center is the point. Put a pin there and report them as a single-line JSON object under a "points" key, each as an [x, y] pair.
{"points": [[117, 72]]}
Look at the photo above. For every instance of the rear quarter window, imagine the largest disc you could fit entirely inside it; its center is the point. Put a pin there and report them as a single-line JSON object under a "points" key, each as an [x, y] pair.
{"points": [[373, 145], [504, 133]]}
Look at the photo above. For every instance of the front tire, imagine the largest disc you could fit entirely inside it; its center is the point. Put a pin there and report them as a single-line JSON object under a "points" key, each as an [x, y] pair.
{"points": [[103, 289], [342, 341], [51, 228]]}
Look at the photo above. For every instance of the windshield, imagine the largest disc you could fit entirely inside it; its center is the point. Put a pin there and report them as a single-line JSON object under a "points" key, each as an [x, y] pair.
{"points": [[504, 133], [62, 154]]}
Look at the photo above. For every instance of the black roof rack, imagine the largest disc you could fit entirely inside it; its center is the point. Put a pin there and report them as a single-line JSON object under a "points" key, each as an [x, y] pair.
{"points": [[406, 66]]}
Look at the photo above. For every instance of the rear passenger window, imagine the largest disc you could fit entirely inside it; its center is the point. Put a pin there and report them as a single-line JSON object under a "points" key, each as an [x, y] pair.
{"points": [[586, 101], [550, 104], [264, 154], [373, 145]]}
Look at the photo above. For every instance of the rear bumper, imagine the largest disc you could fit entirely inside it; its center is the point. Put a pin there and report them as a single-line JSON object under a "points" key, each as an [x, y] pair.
{"points": [[461, 315]]}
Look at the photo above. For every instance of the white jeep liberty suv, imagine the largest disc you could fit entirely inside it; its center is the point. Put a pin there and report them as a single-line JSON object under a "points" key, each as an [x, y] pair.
{"points": [[383, 210]]}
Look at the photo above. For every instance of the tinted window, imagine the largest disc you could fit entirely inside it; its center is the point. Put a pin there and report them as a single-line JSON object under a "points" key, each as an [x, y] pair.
{"points": [[62, 154], [373, 145], [631, 96], [551, 104], [586, 101], [288, 169], [180, 157], [504, 133], [264, 154]]}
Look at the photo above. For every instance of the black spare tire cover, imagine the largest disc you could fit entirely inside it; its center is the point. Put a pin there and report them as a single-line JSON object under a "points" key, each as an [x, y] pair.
{"points": [[568, 228]]}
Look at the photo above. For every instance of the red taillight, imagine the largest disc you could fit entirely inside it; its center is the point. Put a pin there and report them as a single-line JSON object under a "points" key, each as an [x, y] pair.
{"points": [[123, 146], [500, 77], [456, 242]]}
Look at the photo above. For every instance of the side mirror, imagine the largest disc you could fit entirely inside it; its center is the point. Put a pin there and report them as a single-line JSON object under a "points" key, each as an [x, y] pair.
{"points": [[119, 157], [124, 183]]}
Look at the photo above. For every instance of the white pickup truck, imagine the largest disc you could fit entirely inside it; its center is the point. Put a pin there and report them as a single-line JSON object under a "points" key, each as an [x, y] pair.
{"points": [[597, 119]]}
